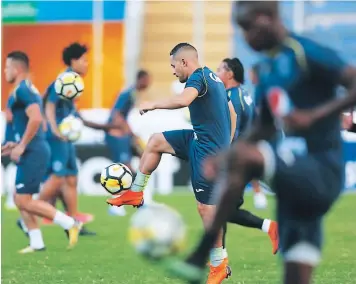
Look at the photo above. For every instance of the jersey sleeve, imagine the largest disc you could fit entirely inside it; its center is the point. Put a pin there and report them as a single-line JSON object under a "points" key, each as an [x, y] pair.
{"points": [[197, 82], [324, 62], [52, 96], [26, 96], [123, 103]]}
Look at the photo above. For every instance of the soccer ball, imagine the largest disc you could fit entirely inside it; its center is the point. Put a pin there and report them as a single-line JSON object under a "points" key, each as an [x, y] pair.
{"points": [[71, 128], [115, 178], [157, 231], [69, 85]]}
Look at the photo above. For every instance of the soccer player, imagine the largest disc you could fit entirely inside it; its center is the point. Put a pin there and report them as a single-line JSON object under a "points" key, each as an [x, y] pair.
{"points": [[231, 72], [63, 166], [213, 127], [296, 92], [31, 153], [118, 135]]}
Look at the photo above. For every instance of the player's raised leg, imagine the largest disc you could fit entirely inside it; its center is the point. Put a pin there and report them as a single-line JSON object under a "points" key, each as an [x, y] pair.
{"points": [[156, 146]]}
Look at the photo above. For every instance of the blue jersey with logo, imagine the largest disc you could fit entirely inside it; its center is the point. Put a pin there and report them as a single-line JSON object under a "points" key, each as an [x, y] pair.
{"points": [[124, 103], [244, 108], [302, 75], [209, 112], [24, 95]]}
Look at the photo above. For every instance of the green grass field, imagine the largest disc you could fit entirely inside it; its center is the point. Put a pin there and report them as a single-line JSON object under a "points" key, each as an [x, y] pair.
{"points": [[107, 258]]}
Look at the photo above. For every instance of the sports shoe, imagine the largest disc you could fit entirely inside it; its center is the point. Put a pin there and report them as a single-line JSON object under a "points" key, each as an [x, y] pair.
{"points": [[73, 234], [260, 200], [273, 235], [20, 224], [84, 217], [29, 249], [218, 273], [127, 198]]}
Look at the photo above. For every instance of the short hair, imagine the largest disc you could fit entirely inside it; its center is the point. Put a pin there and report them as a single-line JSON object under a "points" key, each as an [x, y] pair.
{"points": [[141, 73], [20, 56], [73, 51], [269, 8], [235, 65], [182, 45]]}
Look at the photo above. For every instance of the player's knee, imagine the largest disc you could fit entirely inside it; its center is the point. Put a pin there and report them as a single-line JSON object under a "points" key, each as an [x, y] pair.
{"points": [[22, 200], [156, 142], [303, 253], [71, 181]]}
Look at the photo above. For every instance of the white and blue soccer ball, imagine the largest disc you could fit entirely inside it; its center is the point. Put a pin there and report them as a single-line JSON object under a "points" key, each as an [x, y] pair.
{"points": [[69, 85], [71, 128], [157, 231]]}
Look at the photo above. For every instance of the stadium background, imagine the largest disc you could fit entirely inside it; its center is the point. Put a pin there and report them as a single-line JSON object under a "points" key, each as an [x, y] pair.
{"points": [[126, 35]]}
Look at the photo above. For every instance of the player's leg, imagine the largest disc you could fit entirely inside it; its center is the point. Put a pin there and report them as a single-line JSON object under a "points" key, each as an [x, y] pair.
{"points": [[170, 142], [259, 198], [247, 219]]}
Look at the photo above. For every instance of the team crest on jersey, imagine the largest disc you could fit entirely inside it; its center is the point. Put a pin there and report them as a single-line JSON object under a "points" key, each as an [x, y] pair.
{"points": [[215, 78], [279, 102]]}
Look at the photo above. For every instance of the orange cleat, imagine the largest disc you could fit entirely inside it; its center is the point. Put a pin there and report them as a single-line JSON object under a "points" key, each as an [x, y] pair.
{"points": [[273, 235], [127, 198], [219, 273]]}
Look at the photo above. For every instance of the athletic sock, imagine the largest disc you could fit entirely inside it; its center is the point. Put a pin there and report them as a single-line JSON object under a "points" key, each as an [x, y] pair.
{"points": [[265, 226], [63, 220], [225, 255], [216, 256], [140, 182], [36, 240]]}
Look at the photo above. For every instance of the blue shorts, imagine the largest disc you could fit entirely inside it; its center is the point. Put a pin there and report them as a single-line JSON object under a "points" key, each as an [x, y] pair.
{"points": [[306, 187], [186, 147], [120, 148], [63, 158], [31, 169]]}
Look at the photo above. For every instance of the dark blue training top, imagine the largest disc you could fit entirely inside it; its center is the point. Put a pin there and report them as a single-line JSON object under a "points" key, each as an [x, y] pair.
{"points": [[209, 112], [244, 108], [24, 95], [306, 73], [124, 103]]}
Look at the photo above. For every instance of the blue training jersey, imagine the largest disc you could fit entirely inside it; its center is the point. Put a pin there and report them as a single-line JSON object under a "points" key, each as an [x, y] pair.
{"points": [[124, 103], [244, 108], [24, 95], [209, 112], [308, 74]]}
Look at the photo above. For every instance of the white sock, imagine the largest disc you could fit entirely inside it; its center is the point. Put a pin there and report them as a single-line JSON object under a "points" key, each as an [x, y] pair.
{"points": [[36, 240], [265, 225], [140, 182], [216, 256], [225, 255], [63, 220]]}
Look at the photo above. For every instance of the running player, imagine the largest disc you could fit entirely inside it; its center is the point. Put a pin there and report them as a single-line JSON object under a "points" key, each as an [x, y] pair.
{"points": [[31, 153], [231, 72], [118, 135], [296, 92], [63, 169], [205, 95]]}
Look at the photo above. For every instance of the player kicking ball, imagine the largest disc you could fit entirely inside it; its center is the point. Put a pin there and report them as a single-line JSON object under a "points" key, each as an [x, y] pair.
{"points": [[31, 154], [306, 168], [213, 127]]}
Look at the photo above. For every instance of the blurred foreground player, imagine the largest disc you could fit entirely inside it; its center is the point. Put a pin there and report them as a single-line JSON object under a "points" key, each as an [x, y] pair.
{"points": [[120, 140], [306, 168], [231, 72], [213, 128], [31, 153]]}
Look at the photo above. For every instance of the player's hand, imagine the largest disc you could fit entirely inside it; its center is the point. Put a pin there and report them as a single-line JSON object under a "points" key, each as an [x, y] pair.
{"points": [[299, 119], [17, 152], [145, 107], [7, 148]]}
